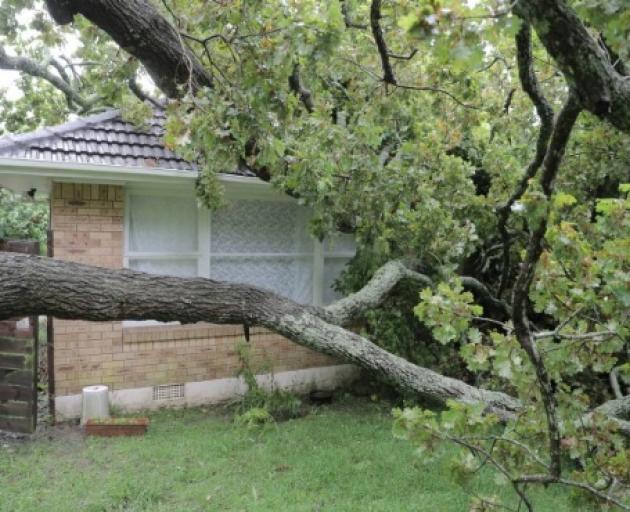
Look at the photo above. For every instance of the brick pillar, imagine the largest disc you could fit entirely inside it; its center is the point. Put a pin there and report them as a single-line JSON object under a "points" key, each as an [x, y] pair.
{"points": [[87, 221]]}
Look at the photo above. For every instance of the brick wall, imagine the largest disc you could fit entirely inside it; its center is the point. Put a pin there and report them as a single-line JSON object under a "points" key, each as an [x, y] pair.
{"points": [[87, 223], [18, 364]]}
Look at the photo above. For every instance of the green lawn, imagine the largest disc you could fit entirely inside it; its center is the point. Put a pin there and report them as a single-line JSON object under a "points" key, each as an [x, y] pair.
{"points": [[339, 458]]}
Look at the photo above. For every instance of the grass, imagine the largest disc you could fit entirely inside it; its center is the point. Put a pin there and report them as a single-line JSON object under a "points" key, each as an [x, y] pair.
{"points": [[339, 458]]}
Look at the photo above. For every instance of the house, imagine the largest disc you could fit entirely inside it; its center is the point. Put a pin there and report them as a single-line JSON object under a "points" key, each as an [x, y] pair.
{"points": [[119, 198]]}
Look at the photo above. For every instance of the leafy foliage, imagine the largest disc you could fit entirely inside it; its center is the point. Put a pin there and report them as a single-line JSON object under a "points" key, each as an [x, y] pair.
{"points": [[260, 406], [22, 218]]}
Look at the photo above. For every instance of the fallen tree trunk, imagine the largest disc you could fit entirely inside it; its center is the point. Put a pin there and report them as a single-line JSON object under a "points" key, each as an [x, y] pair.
{"points": [[35, 285], [619, 411], [32, 285]]}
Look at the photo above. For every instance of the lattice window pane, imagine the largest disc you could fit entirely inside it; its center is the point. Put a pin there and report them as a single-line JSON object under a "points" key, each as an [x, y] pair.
{"points": [[290, 277], [266, 244], [162, 224], [332, 268], [341, 243], [251, 226]]}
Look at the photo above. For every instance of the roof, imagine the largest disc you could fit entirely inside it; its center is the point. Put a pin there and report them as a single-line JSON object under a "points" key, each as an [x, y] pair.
{"points": [[101, 139]]}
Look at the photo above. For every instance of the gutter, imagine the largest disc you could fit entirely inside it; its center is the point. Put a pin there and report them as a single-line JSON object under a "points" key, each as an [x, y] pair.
{"points": [[66, 171]]}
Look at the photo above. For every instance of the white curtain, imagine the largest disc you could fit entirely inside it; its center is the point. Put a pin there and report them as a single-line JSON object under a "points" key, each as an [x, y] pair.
{"points": [[263, 243], [162, 224], [166, 227]]}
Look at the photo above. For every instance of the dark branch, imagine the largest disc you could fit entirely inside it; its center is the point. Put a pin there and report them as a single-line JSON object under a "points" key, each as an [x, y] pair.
{"points": [[601, 89], [520, 296], [529, 83], [438, 90], [482, 291], [303, 93], [140, 29], [409, 56], [508, 101], [379, 39], [140, 94]]}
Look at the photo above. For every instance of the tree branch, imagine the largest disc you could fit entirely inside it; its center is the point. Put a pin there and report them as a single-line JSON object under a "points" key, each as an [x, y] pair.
{"points": [[140, 94], [385, 279], [35, 69], [60, 69], [409, 56], [529, 83], [520, 296], [140, 29], [373, 293], [546, 479], [303, 93], [379, 39], [36, 285], [601, 89], [483, 291]]}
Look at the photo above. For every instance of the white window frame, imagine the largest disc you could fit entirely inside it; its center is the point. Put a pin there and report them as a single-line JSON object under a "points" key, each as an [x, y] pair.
{"points": [[204, 235]]}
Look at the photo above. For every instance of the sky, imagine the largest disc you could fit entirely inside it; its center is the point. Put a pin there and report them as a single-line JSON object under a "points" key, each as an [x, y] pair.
{"points": [[8, 80]]}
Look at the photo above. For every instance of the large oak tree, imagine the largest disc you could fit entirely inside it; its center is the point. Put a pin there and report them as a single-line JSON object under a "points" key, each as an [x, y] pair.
{"points": [[427, 130]]}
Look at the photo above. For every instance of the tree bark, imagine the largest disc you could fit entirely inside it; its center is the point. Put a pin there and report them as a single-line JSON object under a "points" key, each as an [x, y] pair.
{"points": [[35, 285], [373, 293], [140, 29], [601, 89]]}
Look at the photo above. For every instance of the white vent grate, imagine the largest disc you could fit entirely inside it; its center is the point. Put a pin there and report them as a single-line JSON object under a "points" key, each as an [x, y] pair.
{"points": [[168, 392]]}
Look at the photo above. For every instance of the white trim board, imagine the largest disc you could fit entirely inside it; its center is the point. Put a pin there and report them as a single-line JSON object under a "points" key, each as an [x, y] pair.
{"points": [[215, 391], [36, 171]]}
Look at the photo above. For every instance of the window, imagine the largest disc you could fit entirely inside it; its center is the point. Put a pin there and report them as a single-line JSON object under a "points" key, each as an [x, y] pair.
{"points": [[263, 242], [337, 252], [162, 235]]}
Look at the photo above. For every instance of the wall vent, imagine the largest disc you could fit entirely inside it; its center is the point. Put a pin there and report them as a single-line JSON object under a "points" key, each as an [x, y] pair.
{"points": [[168, 392]]}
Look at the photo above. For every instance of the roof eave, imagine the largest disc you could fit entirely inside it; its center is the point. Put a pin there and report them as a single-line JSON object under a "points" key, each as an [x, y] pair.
{"points": [[94, 173]]}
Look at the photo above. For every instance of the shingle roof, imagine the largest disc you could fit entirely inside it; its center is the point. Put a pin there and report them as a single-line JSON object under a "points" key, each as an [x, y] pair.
{"points": [[101, 139]]}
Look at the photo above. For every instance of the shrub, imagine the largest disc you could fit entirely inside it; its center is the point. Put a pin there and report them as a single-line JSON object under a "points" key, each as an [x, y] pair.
{"points": [[276, 403], [255, 417]]}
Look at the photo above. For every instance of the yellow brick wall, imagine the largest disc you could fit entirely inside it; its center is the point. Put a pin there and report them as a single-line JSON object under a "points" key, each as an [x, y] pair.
{"points": [[87, 224]]}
